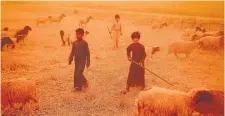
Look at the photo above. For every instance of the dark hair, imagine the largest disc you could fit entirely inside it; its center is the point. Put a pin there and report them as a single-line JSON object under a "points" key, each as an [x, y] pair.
{"points": [[5, 29], [80, 30], [136, 34], [117, 16]]}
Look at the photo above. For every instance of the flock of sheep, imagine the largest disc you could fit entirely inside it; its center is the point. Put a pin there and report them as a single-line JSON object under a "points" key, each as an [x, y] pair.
{"points": [[197, 38], [153, 102]]}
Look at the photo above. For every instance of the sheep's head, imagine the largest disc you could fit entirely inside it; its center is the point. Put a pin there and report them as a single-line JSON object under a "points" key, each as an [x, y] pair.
{"points": [[90, 17], [63, 15], [207, 101], [27, 28], [154, 50]]}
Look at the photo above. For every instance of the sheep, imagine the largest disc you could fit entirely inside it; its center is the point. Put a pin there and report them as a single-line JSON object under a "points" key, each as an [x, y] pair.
{"points": [[58, 18], [21, 34], [185, 47], [43, 20], [214, 33], [212, 42], [17, 91], [190, 31], [84, 22], [154, 50], [164, 102], [5, 39], [159, 25]]}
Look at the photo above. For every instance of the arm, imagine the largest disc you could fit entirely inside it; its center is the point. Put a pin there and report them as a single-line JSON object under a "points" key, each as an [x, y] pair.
{"points": [[112, 28], [128, 52], [71, 54], [121, 29], [143, 55], [88, 55]]}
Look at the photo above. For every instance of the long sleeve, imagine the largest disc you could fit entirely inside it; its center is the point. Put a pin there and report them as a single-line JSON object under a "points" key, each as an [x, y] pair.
{"points": [[120, 28], [143, 55], [72, 54], [88, 54], [128, 51]]}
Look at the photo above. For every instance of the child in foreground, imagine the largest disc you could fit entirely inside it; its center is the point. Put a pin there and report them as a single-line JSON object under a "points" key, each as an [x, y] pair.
{"points": [[136, 72], [81, 54]]}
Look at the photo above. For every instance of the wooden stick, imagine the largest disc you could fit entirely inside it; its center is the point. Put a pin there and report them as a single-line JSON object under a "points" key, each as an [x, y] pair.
{"points": [[152, 73]]}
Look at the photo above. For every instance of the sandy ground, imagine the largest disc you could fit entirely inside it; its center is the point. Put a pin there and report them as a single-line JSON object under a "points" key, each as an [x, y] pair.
{"points": [[45, 61]]}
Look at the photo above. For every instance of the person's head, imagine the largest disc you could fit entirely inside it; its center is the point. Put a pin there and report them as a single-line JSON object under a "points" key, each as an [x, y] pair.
{"points": [[6, 29], [79, 33], [135, 36], [117, 17]]}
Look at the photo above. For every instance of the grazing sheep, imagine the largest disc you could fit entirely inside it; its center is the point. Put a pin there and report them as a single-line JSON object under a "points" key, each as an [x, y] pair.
{"points": [[58, 19], [212, 42], [43, 20], [159, 25], [21, 34], [185, 47], [190, 31], [164, 102], [85, 22], [154, 50], [5, 39], [214, 33], [17, 91]]}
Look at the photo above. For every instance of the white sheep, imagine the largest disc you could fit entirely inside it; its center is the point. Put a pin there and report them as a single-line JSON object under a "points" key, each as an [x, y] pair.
{"points": [[17, 91], [190, 31], [214, 33], [164, 102], [212, 42], [83, 23], [58, 19], [43, 20], [185, 47]]}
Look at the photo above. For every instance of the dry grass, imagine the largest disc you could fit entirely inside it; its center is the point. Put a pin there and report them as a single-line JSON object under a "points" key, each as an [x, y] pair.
{"points": [[44, 60]]}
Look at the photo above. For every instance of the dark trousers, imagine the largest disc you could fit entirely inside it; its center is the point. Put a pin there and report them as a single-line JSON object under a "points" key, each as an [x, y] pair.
{"points": [[79, 79]]}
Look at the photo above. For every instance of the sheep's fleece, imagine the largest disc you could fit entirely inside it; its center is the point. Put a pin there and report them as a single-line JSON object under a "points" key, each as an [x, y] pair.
{"points": [[164, 102]]}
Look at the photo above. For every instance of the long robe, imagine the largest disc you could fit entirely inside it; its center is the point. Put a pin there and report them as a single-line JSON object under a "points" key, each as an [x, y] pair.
{"points": [[81, 54], [136, 73], [117, 29]]}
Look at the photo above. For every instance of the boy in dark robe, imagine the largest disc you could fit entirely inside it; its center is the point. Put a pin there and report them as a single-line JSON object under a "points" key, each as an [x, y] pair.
{"points": [[81, 54], [136, 72]]}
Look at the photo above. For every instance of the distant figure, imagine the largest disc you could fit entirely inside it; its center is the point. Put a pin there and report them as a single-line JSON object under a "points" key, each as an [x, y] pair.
{"points": [[62, 37], [5, 39], [117, 31], [136, 72], [81, 54]]}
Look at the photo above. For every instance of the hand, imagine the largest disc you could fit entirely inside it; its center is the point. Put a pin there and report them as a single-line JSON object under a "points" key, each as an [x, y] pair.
{"points": [[129, 58], [87, 65], [140, 63]]}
